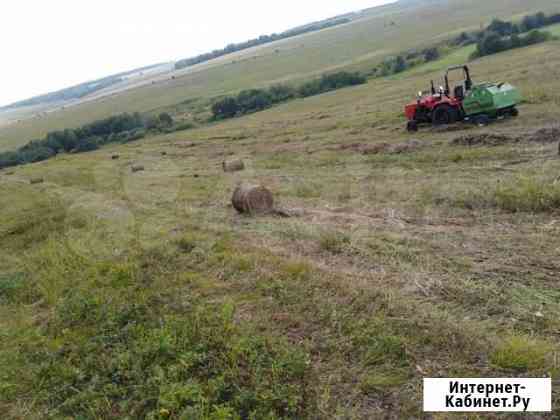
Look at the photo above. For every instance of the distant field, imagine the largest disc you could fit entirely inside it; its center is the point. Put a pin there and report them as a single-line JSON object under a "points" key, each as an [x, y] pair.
{"points": [[359, 45]]}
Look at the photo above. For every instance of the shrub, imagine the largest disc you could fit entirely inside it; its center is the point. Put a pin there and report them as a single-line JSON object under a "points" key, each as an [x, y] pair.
{"points": [[493, 43], [225, 108], [431, 54], [86, 145], [165, 119]]}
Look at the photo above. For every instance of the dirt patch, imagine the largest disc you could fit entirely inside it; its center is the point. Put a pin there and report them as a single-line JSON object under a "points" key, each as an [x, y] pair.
{"points": [[484, 139], [451, 128], [545, 135], [382, 148]]}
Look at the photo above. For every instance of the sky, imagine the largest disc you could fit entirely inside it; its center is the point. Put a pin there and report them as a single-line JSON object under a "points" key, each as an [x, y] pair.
{"points": [[50, 45]]}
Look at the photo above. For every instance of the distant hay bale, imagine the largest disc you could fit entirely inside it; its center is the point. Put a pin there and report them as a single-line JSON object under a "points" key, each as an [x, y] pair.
{"points": [[115, 157], [37, 180], [233, 165], [164, 153], [252, 199], [137, 168]]}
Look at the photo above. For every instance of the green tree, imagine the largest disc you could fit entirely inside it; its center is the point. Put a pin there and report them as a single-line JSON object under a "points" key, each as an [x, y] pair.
{"points": [[165, 119]]}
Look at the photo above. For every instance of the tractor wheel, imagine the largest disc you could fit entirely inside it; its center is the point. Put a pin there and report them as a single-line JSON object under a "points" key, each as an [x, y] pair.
{"points": [[412, 126], [444, 115], [514, 112], [482, 120]]}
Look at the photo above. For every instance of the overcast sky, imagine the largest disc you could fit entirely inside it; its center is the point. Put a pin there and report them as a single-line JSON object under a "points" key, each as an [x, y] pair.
{"points": [[49, 45]]}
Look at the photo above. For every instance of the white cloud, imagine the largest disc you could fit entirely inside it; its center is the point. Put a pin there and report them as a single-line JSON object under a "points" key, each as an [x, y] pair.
{"points": [[49, 45]]}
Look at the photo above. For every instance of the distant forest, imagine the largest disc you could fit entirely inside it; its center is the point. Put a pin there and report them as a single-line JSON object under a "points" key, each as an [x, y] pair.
{"points": [[78, 91], [263, 39]]}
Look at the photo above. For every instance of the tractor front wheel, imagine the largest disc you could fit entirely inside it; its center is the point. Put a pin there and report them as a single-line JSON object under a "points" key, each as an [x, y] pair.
{"points": [[412, 126], [514, 112], [444, 115]]}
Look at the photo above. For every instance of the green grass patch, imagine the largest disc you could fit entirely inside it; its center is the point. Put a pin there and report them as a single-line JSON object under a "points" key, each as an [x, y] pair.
{"points": [[521, 354]]}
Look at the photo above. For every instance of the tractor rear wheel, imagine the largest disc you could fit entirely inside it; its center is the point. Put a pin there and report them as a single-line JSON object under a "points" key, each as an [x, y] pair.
{"points": [[445, 114], [412, 126], [514, 112]]}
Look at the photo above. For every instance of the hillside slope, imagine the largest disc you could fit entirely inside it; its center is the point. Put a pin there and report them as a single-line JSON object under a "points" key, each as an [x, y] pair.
{"points": [[358, 45]]}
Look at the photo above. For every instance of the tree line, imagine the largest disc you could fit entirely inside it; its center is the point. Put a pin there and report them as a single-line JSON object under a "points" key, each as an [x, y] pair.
{"points": [[253, 100], [493, 43], [121, 128], [261, 40]]}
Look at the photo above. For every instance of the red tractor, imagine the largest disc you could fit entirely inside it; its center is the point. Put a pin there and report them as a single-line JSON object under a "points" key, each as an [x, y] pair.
{"points": [[439, 107]]}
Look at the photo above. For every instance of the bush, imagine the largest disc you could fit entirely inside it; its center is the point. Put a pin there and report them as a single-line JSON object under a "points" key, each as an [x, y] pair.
{"points": [[86, 145], [225, 108], [431, 54], [330, 82], [493, 42], [165, 119]]}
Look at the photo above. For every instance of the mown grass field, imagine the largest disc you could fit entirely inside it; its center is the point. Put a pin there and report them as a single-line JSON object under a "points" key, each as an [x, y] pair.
{"points": [[145, 294], [358, 46]]}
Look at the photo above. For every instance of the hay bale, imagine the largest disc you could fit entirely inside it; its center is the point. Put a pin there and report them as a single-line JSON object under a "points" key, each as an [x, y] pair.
{"points": [[37, 180], [233, 165], [164, 153], [252, 199], [115, 157], [137, 168]]}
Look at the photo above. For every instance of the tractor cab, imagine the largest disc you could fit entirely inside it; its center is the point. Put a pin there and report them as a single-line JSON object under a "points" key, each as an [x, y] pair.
{"points": [[460, 90]]}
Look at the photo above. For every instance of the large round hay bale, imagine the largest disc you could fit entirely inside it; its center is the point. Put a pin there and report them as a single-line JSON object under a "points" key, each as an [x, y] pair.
{"points": [[233, 165], [36, 180], [115, 157], [252, 199], [137, 168]]}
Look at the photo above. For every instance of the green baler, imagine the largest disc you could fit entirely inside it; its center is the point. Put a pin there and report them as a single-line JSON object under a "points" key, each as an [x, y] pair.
{"points": [[491, 100]]}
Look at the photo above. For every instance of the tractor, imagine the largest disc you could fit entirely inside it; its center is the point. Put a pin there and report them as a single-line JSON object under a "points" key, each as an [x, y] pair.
{"points": [[477, 103]]}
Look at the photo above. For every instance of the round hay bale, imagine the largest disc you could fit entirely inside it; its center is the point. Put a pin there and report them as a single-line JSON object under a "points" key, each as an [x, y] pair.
{"points": [[252, 199], [164, 153], [37, 180], [115, 157], [137, 168], [233, 165]]}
